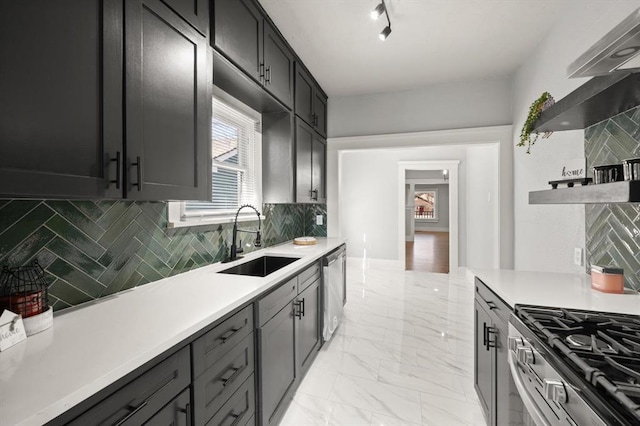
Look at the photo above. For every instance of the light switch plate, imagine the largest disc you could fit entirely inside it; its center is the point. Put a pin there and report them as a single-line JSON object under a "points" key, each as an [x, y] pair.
{"points": [[577, 256], [319, 219]]}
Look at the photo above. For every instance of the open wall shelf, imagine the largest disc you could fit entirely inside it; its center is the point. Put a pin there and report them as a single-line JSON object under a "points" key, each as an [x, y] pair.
{"points": [[614, 192], [598, 99]]}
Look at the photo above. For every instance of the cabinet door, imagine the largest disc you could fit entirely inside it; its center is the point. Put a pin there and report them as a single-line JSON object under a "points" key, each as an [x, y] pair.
{"points": [[304, 95], [483, 373], [278, 63], [237, 32], [175, 413], [318, 164], [60, 98], [195, 12], [168, 106], [277, 348], [304, 143], [320, 111], [308, 326]]}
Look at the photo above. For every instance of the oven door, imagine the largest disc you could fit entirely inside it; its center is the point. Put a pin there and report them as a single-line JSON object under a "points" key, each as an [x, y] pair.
{"points": [[532, 414]]}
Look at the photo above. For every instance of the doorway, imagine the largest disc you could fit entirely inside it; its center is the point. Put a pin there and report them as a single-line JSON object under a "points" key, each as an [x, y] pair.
{"points": [[427, 220], [429, 200]]}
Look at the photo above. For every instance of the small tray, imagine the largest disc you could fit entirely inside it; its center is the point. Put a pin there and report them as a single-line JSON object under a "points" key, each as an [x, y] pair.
{"points": [[570, 182]]}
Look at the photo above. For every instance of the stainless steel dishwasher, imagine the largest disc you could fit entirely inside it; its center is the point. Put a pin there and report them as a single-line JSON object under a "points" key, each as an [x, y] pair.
{"points": [[334, 280]]}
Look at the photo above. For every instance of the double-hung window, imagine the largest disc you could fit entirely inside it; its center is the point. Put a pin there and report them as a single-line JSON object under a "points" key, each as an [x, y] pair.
{"points": [[236, 166]]}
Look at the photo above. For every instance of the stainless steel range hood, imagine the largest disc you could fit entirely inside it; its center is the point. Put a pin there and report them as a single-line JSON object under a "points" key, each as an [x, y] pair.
{"points": [[617, 48]]}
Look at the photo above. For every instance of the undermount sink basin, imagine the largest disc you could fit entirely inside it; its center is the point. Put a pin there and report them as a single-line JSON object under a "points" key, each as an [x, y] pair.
{"points": [[260, 266]]}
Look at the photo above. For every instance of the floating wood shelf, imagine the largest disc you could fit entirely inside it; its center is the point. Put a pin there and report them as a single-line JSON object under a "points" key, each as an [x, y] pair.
{"points": [[614, 192], [598, 99]]}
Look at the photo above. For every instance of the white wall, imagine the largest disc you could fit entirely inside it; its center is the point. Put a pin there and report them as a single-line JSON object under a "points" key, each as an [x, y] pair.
{"points": [[446, 106], [545, 235], [368, 208], [482, 176], [442, 207]]}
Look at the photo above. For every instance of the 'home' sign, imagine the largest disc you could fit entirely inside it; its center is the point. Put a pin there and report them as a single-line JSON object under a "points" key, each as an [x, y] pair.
{"points": [[571, 169]]}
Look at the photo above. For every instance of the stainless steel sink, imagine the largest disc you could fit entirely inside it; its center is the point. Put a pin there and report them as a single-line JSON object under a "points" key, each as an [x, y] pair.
{"points": [[260, 266]]}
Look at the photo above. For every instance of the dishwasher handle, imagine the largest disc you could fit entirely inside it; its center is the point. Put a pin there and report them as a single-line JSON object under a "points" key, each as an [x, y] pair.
{"points": [[332, 257]]}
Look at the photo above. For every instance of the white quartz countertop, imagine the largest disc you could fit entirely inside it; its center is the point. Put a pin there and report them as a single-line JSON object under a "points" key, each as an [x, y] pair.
{"points": [[91, 346], [556, 290]]}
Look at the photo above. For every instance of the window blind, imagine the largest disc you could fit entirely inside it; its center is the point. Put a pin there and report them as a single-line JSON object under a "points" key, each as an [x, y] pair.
{"points": [[235, 169]]}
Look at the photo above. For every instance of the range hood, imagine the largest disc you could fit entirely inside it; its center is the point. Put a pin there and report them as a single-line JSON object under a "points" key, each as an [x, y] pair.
{"points": [[616, 50]]}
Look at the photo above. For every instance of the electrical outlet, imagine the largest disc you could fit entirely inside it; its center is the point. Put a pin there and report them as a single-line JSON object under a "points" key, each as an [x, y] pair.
{"points": [[319, 219], [577, 256]]}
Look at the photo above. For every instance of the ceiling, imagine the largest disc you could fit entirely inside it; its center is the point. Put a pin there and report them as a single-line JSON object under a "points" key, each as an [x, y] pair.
{"points": [[433, 41]]}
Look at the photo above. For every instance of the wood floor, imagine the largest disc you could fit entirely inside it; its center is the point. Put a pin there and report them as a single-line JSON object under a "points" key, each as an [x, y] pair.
{"points": [[429, 252]]}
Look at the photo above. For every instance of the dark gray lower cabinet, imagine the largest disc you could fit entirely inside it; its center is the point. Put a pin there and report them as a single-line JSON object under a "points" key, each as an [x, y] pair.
{"points": [[309, 325], [175, 413], [288, 341], [278, 366], [138, 401], [491, 374]]}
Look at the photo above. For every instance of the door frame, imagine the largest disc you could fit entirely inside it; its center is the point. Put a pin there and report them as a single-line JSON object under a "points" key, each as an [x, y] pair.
{"points": [[452, 166]]}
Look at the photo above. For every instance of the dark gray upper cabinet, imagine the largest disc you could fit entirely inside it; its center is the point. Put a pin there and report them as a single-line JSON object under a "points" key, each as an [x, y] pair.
{"points": [[310, 165], [61, 98], [238, 34], [63, 109], [310, 100], [167, 105], [195, 12], [243, 34], [278, 66]]}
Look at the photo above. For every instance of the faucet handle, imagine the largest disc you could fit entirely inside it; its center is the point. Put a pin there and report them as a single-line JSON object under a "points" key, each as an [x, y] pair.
{"points": [[258, 242], [239, 248]]}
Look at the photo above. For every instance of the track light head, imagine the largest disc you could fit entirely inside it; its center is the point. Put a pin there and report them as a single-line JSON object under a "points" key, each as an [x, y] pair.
{"points": [[378, 11], [385, 33]]}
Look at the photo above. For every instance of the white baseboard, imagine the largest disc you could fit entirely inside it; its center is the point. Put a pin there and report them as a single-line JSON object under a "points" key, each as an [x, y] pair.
{"points": [[433, 229], [386, 264]]}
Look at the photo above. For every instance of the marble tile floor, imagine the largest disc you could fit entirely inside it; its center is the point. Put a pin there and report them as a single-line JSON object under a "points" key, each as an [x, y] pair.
{"points": [[402, 356]]}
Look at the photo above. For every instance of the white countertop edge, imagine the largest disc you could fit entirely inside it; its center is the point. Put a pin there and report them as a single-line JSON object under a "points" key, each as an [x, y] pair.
{"points": [[555, 289], [24, 412]]}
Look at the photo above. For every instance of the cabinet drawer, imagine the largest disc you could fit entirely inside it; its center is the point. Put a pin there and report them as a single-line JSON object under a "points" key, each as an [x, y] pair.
{"points": [[175, 413], [492, 302], [239, 409], [272, 303], [136, 402], [216, 343], [213, 388], [308, 277]]}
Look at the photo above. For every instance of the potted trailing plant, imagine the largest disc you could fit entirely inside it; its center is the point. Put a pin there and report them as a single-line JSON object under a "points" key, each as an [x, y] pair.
{"points": [[527, 135]]}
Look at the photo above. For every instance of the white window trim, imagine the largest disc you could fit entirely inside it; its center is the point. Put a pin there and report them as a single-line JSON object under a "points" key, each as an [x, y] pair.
{"points": [[176, 215]]}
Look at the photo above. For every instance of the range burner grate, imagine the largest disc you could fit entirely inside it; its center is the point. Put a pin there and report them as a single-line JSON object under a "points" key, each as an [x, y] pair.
{"points": [[603, 348]]}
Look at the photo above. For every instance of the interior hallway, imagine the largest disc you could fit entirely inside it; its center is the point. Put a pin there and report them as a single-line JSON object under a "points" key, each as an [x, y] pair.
{"points": [[428, 252]]}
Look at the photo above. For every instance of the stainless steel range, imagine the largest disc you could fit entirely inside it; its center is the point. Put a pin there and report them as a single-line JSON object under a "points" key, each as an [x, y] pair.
{"points": [[575, 367]]}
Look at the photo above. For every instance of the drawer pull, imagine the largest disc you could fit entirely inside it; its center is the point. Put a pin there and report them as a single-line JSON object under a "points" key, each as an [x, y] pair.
{"points": [[237, 417], [492, 305], [187, 411], [236, 373], [145, 402], [229, 334], [133, 412]]}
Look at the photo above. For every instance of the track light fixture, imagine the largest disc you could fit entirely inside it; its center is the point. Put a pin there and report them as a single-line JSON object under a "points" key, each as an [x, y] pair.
{"points": [[379, 10], [376, 13], [385, 33]]}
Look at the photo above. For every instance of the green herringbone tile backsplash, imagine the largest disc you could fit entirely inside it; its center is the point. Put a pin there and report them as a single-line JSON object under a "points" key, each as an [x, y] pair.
{"points": [[92, 249], [613, 230]]}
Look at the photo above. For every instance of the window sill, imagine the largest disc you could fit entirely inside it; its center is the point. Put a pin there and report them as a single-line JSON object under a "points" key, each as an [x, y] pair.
{"points": [[427, 220], [210, 220]]}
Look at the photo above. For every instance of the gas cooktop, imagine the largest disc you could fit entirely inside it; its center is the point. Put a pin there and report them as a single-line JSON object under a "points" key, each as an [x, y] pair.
{"points": [[602, 349]]}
